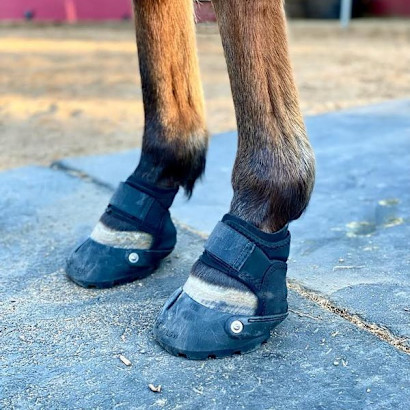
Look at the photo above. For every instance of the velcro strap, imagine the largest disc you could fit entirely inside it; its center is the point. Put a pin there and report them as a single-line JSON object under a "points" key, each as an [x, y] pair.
{"points": [[234, 254], [241, 257], [131, 201], [138, 205], [229, 246]]}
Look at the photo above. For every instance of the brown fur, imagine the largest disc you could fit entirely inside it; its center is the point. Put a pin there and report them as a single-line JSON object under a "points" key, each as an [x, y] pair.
{"points": [[274, 169], [175, 139]]}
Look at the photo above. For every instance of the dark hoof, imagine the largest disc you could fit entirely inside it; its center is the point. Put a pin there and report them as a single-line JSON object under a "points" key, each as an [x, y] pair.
{"points": [[93, 265], [188, 329]]}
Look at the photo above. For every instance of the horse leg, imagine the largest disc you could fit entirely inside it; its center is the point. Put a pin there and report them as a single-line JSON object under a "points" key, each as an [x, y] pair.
{"points": [[243, 268], [136, 231], [175, 140], [274, 169]]}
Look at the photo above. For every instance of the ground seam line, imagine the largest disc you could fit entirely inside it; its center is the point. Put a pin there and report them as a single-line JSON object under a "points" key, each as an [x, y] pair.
{"points": [[380, 332], [76, 173]]}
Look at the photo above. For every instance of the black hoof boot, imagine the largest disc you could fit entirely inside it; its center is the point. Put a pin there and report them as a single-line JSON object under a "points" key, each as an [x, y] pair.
{"points": [[95, 265], [189, 329]]}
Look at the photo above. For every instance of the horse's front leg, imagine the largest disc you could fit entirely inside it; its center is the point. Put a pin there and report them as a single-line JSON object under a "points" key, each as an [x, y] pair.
{"points": [[236, 292], [175, 140], [136, 232]]}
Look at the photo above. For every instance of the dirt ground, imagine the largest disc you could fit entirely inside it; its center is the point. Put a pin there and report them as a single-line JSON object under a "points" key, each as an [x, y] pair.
{"points": [[74, 90]]}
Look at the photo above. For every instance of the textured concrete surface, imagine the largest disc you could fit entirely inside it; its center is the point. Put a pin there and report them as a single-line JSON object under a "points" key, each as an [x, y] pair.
{"points": [[60, 344], [352, 245]]}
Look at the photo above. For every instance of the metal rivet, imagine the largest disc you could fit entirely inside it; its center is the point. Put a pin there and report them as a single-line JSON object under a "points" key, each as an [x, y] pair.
{"points": [[133, 257], [236, 326]]}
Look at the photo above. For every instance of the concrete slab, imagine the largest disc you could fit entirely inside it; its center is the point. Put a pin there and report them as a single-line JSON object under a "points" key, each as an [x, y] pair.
{"points": [[60, 344], [352, 245]]}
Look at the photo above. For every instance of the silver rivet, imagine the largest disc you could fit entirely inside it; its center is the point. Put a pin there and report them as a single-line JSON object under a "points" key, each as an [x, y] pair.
{"points": [[133, 257], [236, 326]]}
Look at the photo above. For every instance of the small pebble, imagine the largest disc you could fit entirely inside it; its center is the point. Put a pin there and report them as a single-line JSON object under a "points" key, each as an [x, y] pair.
{"points": [[155, 389], [125, 360]]}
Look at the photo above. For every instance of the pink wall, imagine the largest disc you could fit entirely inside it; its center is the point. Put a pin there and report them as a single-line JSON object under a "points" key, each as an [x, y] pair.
{"points": [[204, 11], [390, 7], [73, 10], [66, 9]]}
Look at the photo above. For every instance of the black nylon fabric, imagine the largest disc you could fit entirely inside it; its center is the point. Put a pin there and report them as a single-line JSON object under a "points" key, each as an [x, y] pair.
{"points": [[144, 211], [99, 265], [264, 276]]}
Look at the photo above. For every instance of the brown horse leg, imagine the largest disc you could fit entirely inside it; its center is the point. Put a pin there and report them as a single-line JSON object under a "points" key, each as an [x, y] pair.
{"points": [[274, 170], [136, 232], [175, 140], [242, 273]]}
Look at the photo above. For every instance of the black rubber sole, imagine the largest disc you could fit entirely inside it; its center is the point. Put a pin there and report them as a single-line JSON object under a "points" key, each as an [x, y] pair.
{"points": [[95, 265], [185, 328], [110, 284], [211, 354]]}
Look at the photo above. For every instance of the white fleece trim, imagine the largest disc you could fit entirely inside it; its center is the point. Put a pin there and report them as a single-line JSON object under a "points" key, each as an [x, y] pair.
{"points": [[221, 298], [121, 239]]}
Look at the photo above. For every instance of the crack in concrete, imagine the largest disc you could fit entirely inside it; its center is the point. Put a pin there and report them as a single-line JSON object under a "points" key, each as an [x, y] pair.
{"points": [[379, 331], [76, 173]]}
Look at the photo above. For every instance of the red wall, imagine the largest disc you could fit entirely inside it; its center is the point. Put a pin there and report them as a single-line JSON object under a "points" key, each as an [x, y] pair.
{"points": [[72, 10], [66, 9], [204, 11], [60, 10], [390, 7]]}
